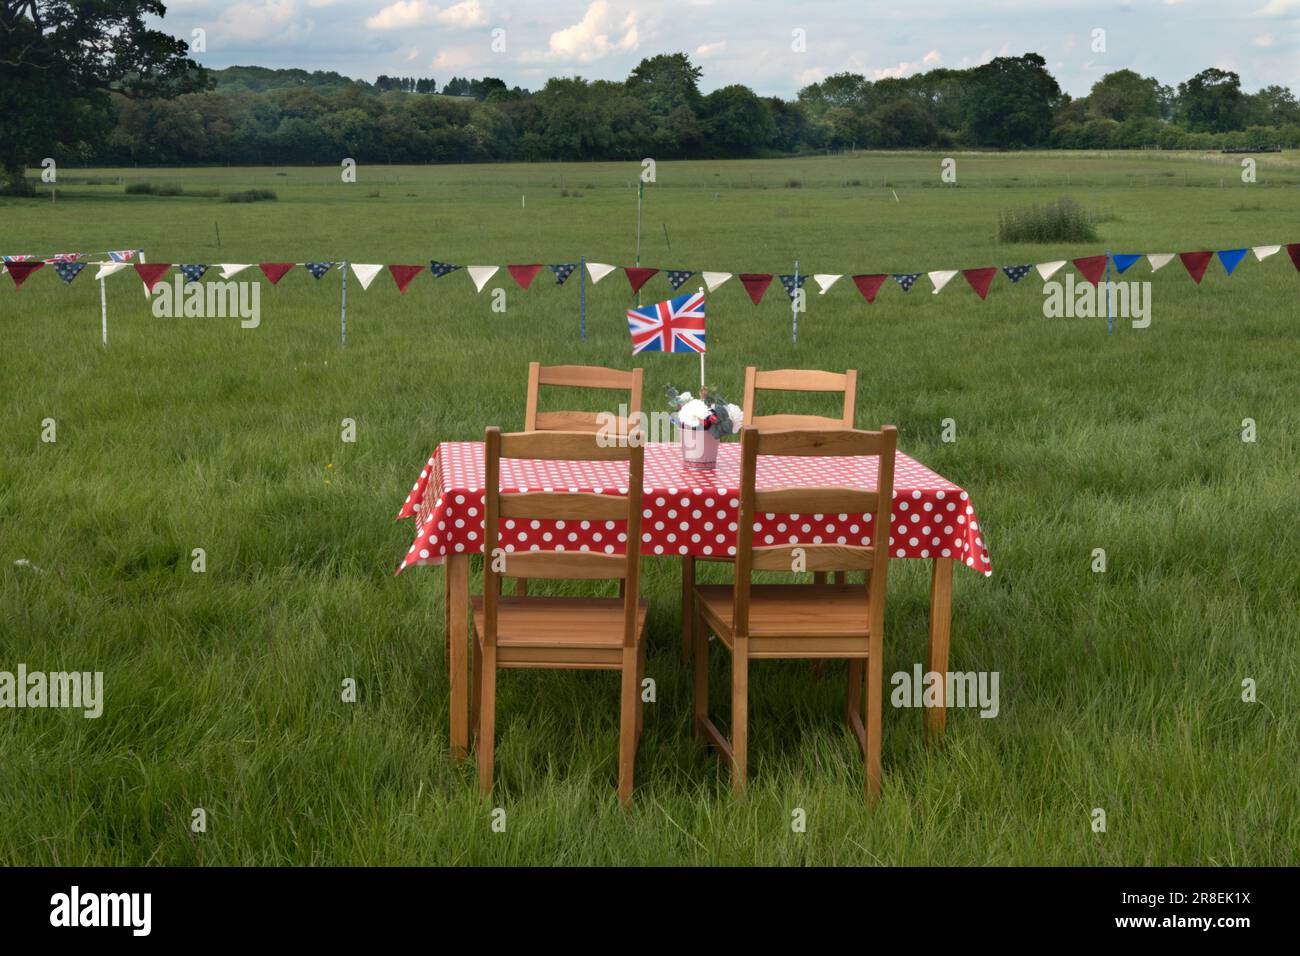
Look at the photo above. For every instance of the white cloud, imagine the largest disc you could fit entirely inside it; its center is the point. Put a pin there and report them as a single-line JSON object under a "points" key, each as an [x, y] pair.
{"points": [[1278, 8], [415, 13], [268, 20], [591, 37], [454, 59], [1266, 40], [905, 67], [710, 49]]}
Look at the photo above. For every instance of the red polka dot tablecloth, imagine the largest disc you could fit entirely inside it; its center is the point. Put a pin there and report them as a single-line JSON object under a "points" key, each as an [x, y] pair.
{"points": [[686, 512]]}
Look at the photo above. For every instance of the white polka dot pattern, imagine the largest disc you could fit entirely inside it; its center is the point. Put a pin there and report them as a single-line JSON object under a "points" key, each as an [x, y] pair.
{"points": [[686, 512]]}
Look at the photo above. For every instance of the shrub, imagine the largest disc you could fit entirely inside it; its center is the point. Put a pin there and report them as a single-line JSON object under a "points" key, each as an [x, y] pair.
{"points": [[792, 184], [251, 195], [1061, 221]]}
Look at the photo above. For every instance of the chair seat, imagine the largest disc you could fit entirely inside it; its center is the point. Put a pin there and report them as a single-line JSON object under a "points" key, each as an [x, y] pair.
{"points": [[829, 618], [559, 631]]}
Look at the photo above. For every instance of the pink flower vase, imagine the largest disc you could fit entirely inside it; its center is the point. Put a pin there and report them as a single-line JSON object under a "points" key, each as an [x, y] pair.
{"points": [[699, 449]]}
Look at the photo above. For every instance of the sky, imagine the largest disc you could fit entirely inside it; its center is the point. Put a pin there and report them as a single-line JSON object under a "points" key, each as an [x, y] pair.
{"points": [[773, 46]]}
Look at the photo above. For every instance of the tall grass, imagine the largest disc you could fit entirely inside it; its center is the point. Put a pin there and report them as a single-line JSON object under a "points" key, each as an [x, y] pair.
{"points": [[1119, 690], [1062, 220]]}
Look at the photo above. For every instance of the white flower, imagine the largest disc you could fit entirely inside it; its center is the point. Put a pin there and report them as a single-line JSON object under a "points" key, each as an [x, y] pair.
{"points": [[683, 398], [737, 417], [693, 413]]}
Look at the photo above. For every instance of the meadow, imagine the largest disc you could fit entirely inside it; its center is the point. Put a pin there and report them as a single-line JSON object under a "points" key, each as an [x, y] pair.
{"points": [[1120, 691]]}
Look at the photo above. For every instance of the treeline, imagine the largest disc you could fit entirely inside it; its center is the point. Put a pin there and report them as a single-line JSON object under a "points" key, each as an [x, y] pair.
{"points": [[252, 115]]}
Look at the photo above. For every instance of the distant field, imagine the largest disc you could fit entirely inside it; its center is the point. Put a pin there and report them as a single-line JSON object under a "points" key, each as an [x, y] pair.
{"points": [[1120, 691]]}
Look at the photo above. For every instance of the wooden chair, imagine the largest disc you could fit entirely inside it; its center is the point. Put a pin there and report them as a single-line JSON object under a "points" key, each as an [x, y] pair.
{"points": [[576, 376], [778, 380], [799, 380], [758, 622], [549, 632]]}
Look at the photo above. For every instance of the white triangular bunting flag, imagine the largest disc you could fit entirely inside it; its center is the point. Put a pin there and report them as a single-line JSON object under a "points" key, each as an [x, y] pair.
{"points": [[229, 269], [598, 271], [1159, 260], [941, 279], [481, 275], [108, 268], [365, 272], [1048, 269], [826, 280], [1263, 252], [714, 279]]}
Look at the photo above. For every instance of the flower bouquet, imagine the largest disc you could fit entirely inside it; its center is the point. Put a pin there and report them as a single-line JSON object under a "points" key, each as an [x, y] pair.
{"points": [[701, 422]]}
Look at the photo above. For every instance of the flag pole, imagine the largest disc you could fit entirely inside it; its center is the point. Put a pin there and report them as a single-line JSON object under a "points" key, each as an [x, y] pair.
{"points": [[794, 306], [640, 193], [343, 309], [582, 296], [145, 284], [1110, 326], [103, 313], [702, 359]]}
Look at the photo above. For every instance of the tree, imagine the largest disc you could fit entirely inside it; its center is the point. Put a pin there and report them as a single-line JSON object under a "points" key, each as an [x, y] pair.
{"points": [[667, 81], [59, 59], [738, 122], [1211, 101], [1124, 95], [1011, 101]]}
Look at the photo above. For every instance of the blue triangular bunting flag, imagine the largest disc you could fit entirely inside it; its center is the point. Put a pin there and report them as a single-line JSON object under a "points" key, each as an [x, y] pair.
{"points": [[1016, 273], [677, 277], [193, 273], [440, 269], [562, 271], [318, 269], [792, 284], [907, 280], [1231, 258], [1122, 262], [68, 270]]}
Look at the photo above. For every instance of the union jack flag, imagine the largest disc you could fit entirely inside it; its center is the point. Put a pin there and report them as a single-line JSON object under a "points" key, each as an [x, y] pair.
{"points": [[64, 257], [124, 255], [673, 326]]}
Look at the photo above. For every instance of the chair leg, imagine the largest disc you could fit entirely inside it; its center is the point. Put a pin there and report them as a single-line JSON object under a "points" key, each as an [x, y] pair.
{"points": [[627, 731], [688, 603], [521, 587], [700, 647], [819, 577], [853, 700], [874, 717], [476, 688], [740, 714], [487, 719], [640, 691]]}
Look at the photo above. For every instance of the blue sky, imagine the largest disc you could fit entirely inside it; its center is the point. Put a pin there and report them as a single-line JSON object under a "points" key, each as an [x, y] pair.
{"points": [[752, 42]]}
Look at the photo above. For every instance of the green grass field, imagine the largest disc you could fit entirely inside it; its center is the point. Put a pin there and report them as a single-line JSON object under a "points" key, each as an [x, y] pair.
{"points": [[1120, 691]]}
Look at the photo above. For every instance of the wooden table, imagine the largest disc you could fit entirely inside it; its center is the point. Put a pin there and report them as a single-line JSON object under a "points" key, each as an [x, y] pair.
{"points": [[688, 514]]}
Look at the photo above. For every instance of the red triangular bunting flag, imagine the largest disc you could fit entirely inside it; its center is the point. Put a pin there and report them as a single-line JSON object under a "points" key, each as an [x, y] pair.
{"points": [[980, 279], [869, 285], [1092, 267], [1293, 250], [274, 270], [755, 284], [1196, 263], [403, 275], [21, 270], [637, 276], [151, 272], [524, 274]]}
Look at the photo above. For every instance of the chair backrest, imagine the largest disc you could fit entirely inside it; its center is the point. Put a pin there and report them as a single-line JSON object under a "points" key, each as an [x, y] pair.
{"points": [[577, 506], [799, 380], [578, 376], [877, 502]]}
